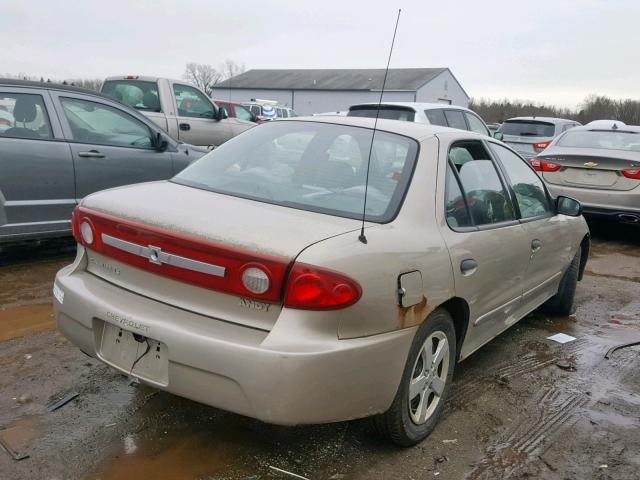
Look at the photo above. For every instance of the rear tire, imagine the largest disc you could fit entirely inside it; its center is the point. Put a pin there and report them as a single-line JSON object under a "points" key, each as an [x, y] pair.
{"points": [[425, 383], [561, 304]]}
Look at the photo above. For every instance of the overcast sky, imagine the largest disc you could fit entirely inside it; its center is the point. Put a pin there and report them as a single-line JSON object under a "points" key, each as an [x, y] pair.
{"points": [[548, 51]]}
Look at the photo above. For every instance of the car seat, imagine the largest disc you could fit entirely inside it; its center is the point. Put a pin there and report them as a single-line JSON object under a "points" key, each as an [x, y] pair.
{"points": [[24, 111], [150, 101]]}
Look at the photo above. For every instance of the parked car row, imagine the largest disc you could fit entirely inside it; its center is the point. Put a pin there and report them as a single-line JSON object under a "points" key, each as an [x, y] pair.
{"points": [[60, 143]]}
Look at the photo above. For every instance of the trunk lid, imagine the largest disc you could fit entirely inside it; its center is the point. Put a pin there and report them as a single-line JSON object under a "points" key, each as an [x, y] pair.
{"points": [[208, 238], [588, 169]]}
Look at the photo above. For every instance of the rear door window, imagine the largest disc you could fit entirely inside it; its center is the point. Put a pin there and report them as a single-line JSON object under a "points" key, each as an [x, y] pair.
{"points": [[141, 95], [530, 193], [455, 119], [24, 115], [456, 210], [486, 196], [528, 128], [476, 125], [436, 117]]}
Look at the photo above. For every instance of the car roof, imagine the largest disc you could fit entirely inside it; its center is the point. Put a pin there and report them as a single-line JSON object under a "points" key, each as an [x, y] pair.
{"points": [[597, 128], [415, 130], [543, 119], [51, 86], [217, 100], [415, 105], [143, 78]]}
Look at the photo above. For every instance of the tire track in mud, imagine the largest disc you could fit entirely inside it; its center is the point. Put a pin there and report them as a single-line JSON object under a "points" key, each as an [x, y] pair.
{"points": [[553, 411], [468, 389]]}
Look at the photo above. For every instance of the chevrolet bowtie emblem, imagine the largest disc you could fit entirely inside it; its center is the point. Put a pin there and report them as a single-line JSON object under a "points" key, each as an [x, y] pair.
{"points": [[590, 164]]}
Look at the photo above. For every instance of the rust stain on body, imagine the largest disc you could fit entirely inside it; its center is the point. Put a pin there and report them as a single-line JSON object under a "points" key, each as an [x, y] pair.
{"points": [[415, 314]]}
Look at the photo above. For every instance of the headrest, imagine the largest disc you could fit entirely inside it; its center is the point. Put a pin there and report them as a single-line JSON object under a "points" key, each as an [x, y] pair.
{"points": [[25, 109]]}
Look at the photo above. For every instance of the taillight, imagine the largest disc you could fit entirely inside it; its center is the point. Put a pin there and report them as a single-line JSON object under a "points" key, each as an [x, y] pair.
{"points": [[540, 146], [200, 262], [540, 165], [131, 77], [315, 288], [74, 224], [632, 173]]}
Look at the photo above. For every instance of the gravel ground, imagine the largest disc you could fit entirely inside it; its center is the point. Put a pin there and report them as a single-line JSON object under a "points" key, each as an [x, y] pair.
{"points": [[521, 407]]}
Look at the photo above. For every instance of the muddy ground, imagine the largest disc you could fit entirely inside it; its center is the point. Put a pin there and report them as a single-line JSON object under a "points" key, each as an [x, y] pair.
{"points": [[521, 407]]}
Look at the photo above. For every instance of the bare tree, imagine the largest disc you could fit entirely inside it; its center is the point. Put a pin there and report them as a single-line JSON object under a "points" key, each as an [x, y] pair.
{"points": [[230, 68], [89, 83], [202, 76]]}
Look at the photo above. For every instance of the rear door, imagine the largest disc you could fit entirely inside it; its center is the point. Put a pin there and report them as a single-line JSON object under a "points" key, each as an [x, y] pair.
{"points": [[110, 147], [487, 245], [197, 118], [36, 169], [547, 234]]}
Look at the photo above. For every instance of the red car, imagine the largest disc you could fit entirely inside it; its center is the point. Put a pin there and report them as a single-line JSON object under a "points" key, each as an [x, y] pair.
{"points": [[235, 110]]}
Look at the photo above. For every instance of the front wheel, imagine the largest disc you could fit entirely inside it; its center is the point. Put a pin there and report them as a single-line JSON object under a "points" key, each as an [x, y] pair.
{"points": [[425, 383]]}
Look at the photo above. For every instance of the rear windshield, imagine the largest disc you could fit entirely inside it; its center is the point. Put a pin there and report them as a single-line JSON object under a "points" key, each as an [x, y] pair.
{"points": [[389, 113], [602, 139], [135, 93], [311, 166], [528, 128]]}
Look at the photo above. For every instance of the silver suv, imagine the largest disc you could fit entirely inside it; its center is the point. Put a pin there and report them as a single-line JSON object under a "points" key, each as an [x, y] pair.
{"points": [[430, 113], [531, 135]]}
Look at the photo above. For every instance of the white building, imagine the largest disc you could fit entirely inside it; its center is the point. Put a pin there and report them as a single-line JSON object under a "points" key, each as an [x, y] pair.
{"points": [[315, 91]]}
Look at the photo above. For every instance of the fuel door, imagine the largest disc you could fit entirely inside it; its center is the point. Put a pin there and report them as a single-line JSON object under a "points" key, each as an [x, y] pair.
{"points": [[410, 290]]}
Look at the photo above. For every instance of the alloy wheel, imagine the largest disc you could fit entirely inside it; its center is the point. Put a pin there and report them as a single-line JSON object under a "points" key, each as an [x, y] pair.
{"points": [[429, 377]]}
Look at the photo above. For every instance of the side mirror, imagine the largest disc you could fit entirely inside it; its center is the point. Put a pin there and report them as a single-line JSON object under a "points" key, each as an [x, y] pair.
{"points": [[222, 114], [254, 119], [568, 206], [498, 135], [160, 142]]}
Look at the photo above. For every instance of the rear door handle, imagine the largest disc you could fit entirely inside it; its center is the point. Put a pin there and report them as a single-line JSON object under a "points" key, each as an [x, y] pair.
{"points": [[185, 126], [468, 267], [91, 154], [535, 245]]}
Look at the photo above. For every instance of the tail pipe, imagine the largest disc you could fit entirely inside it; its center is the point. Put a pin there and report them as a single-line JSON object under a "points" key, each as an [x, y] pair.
{"points": [[629, 218]]}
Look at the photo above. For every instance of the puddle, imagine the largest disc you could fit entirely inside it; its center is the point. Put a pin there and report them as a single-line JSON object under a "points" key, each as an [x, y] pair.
{"points": [[25, 320], [183, 455]]}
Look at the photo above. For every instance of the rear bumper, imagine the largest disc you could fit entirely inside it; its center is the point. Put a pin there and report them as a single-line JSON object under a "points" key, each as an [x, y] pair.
{"points": [[615, 215], [609, 204], [308, 378]]}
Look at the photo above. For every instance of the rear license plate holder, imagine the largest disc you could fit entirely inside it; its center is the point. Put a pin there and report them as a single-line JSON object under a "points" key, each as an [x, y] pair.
{"points": [[588, 177], [123, 350]]}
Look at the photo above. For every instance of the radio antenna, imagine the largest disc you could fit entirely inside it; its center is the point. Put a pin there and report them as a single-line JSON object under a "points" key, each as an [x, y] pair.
{"points": [[362, 236]]}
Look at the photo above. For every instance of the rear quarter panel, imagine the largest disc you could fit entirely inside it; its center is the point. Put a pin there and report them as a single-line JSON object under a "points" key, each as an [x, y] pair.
{"points": [[410, 242]]}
